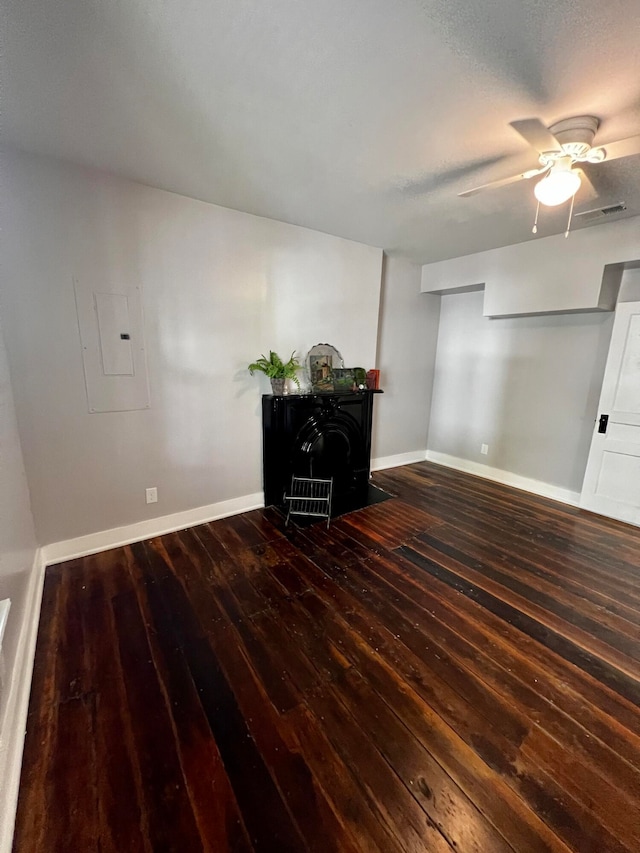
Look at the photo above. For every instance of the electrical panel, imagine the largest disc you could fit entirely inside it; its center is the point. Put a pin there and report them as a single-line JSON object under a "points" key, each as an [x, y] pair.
{"points": [[113, 347]]}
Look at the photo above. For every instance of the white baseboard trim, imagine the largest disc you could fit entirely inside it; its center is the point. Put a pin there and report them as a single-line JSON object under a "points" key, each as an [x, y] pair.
{"points": [[93, 543], [507, 478], [399, 459], [15, 715]]}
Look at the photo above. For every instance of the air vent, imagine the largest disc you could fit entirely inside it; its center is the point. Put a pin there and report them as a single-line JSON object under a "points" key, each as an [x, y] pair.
{"points": [[614, 208], [601, 212]]}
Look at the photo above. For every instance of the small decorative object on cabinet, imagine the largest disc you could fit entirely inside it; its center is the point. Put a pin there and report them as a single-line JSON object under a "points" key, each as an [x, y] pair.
{"points": [[344, 379], [277, 370], [360, 376], [373, 380]]}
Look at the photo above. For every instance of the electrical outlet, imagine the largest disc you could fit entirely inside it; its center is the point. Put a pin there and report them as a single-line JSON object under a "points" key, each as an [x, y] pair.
{"points": [[152, 495], [484, 449]]}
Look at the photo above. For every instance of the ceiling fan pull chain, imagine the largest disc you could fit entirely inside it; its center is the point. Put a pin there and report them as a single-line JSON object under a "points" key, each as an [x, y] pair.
{"points": [[566, 233], [535, 224]]}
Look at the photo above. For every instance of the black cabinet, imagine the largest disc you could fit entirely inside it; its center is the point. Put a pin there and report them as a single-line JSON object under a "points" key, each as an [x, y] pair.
{"points": [[318, 435]]}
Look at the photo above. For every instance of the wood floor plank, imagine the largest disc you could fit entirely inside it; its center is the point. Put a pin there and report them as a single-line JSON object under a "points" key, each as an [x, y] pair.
{"points": [[604, 712], [572, 768], [241, 677], [192, 566], [73, 733], [122, 823], [343, 787], [265, 815], [448, 810], [164, 789], [499, 509], [526, 539], [456, 668], [31, 818], [557, 573], [573, 644], [275, 736], [408, 822], [558, 701], [376, 654], [463, 700], [214, 804]]}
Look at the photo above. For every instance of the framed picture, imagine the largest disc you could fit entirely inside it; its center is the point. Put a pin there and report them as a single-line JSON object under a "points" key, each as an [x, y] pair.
{"points": [[321, 372], [344, 379]]}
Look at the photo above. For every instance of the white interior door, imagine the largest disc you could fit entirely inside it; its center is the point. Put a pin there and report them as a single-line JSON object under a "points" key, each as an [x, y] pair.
{"points": [[612, 479]]}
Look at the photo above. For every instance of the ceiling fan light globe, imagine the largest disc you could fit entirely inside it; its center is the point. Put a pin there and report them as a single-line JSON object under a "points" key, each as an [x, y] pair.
{"points": [[557, 187]]}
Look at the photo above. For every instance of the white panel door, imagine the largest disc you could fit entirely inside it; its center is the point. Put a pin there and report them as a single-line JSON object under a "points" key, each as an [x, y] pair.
{"points": [[612, 479]]}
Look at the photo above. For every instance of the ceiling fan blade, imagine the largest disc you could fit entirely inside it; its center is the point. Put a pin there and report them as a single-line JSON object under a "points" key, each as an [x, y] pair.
{"points": [[622, 148], [536, 134], [523, 176], [587, 191]]}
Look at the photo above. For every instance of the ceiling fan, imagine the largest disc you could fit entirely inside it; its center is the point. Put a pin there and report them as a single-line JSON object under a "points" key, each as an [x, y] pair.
{"points": [[561, 148]]}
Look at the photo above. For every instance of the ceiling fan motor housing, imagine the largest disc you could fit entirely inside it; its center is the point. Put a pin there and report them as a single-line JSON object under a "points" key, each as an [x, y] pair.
{"points": [[575, 135]]}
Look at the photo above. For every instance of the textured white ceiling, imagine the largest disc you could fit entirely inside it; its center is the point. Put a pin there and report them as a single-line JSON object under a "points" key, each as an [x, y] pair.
{"points": [[361, 118]]}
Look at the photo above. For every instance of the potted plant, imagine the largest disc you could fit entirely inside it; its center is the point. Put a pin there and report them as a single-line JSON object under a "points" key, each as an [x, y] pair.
{"points": [[277, 370]]}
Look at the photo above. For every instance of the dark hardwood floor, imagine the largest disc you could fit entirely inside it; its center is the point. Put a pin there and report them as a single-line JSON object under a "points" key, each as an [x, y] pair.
{"points": [[454, 669]]}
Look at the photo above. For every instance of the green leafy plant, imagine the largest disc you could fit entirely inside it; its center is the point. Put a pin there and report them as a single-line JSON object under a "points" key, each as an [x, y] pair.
{"points": [[275, 368]]}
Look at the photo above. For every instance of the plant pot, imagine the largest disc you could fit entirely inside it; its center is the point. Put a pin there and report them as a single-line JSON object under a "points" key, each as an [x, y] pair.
{"points": [[277, 386]]}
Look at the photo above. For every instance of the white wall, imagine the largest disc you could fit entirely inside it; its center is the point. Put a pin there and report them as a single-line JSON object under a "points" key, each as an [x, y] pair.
{"points": [[630, 286], [546, 274], [219, 288], [406, 355], [528, 387]]}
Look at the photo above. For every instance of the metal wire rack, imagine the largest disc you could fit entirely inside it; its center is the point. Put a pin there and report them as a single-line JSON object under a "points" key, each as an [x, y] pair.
{"points": [[310, 497]]}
